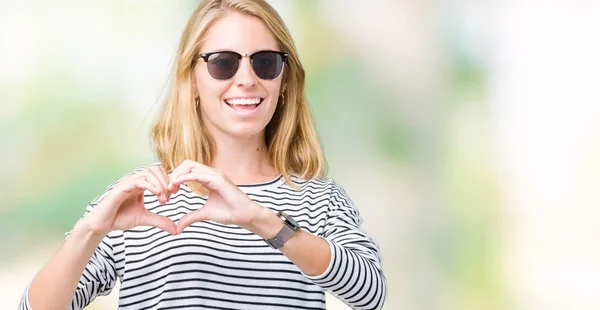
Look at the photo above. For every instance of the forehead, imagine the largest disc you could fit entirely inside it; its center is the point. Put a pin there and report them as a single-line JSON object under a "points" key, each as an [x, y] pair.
{"points": [[240, 33]]}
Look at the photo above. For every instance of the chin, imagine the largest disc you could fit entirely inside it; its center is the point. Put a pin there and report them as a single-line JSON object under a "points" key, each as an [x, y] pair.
{"points": [[246, 131]]}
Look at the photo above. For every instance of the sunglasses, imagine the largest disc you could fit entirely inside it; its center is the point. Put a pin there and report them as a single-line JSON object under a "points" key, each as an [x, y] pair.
{"points": [[267, 65]]}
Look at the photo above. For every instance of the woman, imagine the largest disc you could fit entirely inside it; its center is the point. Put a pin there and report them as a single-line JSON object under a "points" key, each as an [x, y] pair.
{"points": [[237, 214]]}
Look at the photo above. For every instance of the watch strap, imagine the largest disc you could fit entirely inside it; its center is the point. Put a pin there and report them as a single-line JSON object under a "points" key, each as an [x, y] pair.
{"points": [[282, 236], [289, 227]]}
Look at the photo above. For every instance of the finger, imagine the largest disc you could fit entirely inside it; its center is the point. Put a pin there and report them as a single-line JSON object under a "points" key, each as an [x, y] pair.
{"points": [[192, 217], [182, 169], [189, 166], [185, 167], [210, 181], [162, 222], [153, 178], [140, 183], [127, 189], [161, 174], [173, 188]]}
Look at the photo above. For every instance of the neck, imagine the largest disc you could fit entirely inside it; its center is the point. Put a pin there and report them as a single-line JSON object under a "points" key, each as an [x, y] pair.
{"points": [[243, 160]]}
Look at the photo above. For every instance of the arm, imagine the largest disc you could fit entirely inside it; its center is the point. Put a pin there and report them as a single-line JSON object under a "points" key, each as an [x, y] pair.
{"points": [[310, 253], [343, 261], [82, 269]]}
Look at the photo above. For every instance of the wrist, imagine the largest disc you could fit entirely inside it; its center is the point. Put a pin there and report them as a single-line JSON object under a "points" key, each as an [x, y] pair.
{"points": [[265, 223], [85, 235], [85, 227]]}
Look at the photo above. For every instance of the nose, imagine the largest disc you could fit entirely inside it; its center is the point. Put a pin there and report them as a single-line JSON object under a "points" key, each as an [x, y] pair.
{"points": [[245, 76]]}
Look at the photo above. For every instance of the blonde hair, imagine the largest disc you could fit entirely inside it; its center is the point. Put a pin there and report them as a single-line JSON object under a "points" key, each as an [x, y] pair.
{"points": [[179, 133]]}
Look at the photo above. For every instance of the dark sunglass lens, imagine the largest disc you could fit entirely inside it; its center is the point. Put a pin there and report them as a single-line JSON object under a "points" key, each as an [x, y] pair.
{"points": [[267, 65], [224, 65]]}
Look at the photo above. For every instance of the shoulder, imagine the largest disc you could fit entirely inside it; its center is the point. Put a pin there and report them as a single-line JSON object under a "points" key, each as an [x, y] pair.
{"points": [[327, 186], [339, 204], [313, 182]]}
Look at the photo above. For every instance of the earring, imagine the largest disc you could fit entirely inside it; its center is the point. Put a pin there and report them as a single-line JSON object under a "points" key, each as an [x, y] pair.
{"points": [[282, 99], [197, 100]]}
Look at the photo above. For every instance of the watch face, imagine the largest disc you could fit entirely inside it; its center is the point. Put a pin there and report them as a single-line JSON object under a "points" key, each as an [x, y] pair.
{"points": [[294, 223], [290, 221]]}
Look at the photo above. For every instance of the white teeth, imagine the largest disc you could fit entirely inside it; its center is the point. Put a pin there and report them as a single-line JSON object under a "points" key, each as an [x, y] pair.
{"points": [[243, 101]]}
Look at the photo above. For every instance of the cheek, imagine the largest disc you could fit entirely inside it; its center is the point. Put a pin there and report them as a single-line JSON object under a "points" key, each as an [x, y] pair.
{"points": [[274, 89], [208, 88]]}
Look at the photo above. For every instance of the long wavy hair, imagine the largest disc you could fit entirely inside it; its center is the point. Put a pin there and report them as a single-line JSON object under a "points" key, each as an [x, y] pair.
{"points": [[179, 133]]}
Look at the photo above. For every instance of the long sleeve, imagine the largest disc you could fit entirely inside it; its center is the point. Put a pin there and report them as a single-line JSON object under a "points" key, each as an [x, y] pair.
{"points": [[354, 274], [99, 276]]}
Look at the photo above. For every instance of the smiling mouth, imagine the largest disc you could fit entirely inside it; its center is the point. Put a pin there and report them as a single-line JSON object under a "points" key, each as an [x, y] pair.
{"points": [[244, 104]]}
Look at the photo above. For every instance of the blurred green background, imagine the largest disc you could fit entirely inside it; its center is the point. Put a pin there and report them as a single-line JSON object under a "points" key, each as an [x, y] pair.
{"points": [[466, 132]]}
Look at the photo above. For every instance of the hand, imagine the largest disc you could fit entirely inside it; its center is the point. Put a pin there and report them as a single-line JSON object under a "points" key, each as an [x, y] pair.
{"points": [[226, 203], [123, 207]]}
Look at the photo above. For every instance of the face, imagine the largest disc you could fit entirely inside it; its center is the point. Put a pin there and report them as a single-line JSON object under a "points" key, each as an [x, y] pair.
{"points": [[243, 105]]}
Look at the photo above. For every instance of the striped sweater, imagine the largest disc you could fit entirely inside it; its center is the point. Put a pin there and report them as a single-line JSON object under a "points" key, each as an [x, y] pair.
{"points": [[215, 266]]}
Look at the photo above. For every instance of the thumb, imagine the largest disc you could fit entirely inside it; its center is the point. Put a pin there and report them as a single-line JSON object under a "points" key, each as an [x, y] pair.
{"points": [[162, 222], [192, 217]]}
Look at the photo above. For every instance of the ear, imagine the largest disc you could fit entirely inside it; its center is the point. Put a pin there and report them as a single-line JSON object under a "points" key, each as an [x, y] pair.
{"points": [[283, 88]]}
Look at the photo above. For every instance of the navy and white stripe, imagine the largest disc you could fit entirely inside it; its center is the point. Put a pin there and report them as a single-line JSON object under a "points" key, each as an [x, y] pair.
{"points": [[216, 266]]}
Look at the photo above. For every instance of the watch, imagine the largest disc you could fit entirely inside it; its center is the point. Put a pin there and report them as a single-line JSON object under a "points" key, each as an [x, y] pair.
{"points": [[289, 228]]}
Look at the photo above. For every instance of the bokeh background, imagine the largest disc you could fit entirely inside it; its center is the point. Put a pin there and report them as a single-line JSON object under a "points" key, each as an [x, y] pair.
{"points": [[467, 132]]}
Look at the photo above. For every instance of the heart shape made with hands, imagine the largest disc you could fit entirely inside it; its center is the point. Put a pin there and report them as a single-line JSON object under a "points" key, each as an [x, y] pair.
{"points": [[226, 203]]}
